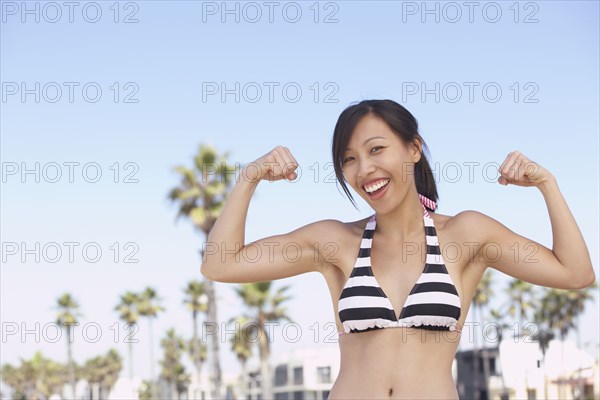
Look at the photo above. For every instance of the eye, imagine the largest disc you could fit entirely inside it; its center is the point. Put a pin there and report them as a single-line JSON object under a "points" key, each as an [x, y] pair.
{"points": [[376, 148], [347, 159]]}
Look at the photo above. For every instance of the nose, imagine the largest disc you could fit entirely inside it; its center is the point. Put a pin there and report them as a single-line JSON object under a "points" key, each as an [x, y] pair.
{"points": [[365, 168]]}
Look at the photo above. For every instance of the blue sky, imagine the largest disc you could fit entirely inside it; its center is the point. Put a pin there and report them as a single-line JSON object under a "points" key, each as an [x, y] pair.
{"points": [[534, 89]]}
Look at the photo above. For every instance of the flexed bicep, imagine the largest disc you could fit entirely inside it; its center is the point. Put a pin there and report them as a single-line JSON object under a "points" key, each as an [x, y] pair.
{"points": [[275, 257], [519, 256]]}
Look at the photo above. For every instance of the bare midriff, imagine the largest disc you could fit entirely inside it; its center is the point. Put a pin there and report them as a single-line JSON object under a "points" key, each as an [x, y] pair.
{"points": [[396, 363]]}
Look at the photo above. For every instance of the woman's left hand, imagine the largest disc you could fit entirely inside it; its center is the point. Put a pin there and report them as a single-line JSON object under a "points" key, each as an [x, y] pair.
{"points": [[521, 171]]}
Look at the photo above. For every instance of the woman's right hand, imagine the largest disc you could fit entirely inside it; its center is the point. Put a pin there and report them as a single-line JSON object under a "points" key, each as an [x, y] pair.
{"points": [[277, 164]]}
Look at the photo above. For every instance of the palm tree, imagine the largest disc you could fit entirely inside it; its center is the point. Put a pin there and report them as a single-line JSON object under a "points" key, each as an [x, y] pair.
{"points": [[201, 195], [145, 391], [241, 347], [196, 302], [196, 350], [39, 377], [148, 307], [30, 378], [578, 299], [264, 307], [520, 295], [481, 298], [113, 364], [129, 313], [172, 370], [182, 381], [14, 378], [544, 332], [560, 318], [67, 317], [498, 317], [563, 308], [103, 372], [53, 375]]}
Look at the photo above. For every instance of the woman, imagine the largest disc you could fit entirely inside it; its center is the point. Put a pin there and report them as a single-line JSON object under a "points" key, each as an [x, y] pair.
{"points": [[399, 303]]}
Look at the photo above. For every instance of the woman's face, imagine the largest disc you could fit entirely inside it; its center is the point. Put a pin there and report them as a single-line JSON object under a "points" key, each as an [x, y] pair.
{"points": [[378, 165]]}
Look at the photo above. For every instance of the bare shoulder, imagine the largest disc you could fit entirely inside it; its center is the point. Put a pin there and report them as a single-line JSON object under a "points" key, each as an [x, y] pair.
{"points": [[335, 240], [335, 230], [473, 230], [465, 224]]}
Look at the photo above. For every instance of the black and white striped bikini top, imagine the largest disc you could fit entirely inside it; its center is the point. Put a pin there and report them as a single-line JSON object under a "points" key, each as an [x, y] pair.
{"points": [[433, 303]]}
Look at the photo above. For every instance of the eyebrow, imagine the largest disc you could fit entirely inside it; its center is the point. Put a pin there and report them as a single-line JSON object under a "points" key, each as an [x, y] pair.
{"points": [[366, 141]]}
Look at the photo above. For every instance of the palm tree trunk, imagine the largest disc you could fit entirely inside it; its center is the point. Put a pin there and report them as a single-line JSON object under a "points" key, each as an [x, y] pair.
{"points": [[197, 362], [244, 388], [70, 360], [545, 380], [152, 383], [561, 376], [130, 348], [545, 372], [504, 390], [476, 393], [486, 364], [486, 371], [212, 319], [265, 370], [170, 386], [580, 384], [520, 334], [29, 393]]}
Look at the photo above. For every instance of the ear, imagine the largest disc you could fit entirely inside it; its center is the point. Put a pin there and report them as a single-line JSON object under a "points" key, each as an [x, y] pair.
{"points": [[415, 149]]}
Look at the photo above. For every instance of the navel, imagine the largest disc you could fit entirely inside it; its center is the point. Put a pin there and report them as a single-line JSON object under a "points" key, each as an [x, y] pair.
{"points": [[390, 392]]}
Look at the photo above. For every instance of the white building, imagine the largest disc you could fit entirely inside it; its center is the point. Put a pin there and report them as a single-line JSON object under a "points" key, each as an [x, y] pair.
{"points": [[304, 374], [563, 372], [518, 370]]}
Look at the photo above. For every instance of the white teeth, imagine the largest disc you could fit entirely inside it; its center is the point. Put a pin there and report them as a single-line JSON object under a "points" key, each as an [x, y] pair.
{"points": [[378, 185]]}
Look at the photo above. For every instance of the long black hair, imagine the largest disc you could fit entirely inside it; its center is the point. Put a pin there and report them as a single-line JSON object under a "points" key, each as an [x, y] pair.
{"points": [[401, 122]]}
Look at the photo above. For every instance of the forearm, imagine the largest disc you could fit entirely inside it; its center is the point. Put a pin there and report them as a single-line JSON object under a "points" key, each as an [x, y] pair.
{"points": [[228, 234], [568, 244]]}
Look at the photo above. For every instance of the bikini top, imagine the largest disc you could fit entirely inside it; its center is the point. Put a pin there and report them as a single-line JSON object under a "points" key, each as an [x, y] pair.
{"points": [[433, 303]]}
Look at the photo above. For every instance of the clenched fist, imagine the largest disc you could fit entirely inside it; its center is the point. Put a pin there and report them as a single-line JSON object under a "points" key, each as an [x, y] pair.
{"points": [[277, 164], [521, 171]]}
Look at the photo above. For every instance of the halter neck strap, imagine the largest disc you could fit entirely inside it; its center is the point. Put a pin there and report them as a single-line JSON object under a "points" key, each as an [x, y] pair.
{"points": [[427, 203]]}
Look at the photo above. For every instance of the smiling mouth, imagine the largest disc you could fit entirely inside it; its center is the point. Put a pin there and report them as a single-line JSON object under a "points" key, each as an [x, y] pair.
{"points": [[376, 187]]}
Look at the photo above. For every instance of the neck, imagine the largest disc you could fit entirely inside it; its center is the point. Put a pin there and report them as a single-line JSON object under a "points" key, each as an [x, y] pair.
{"points": [[404, 221]]}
